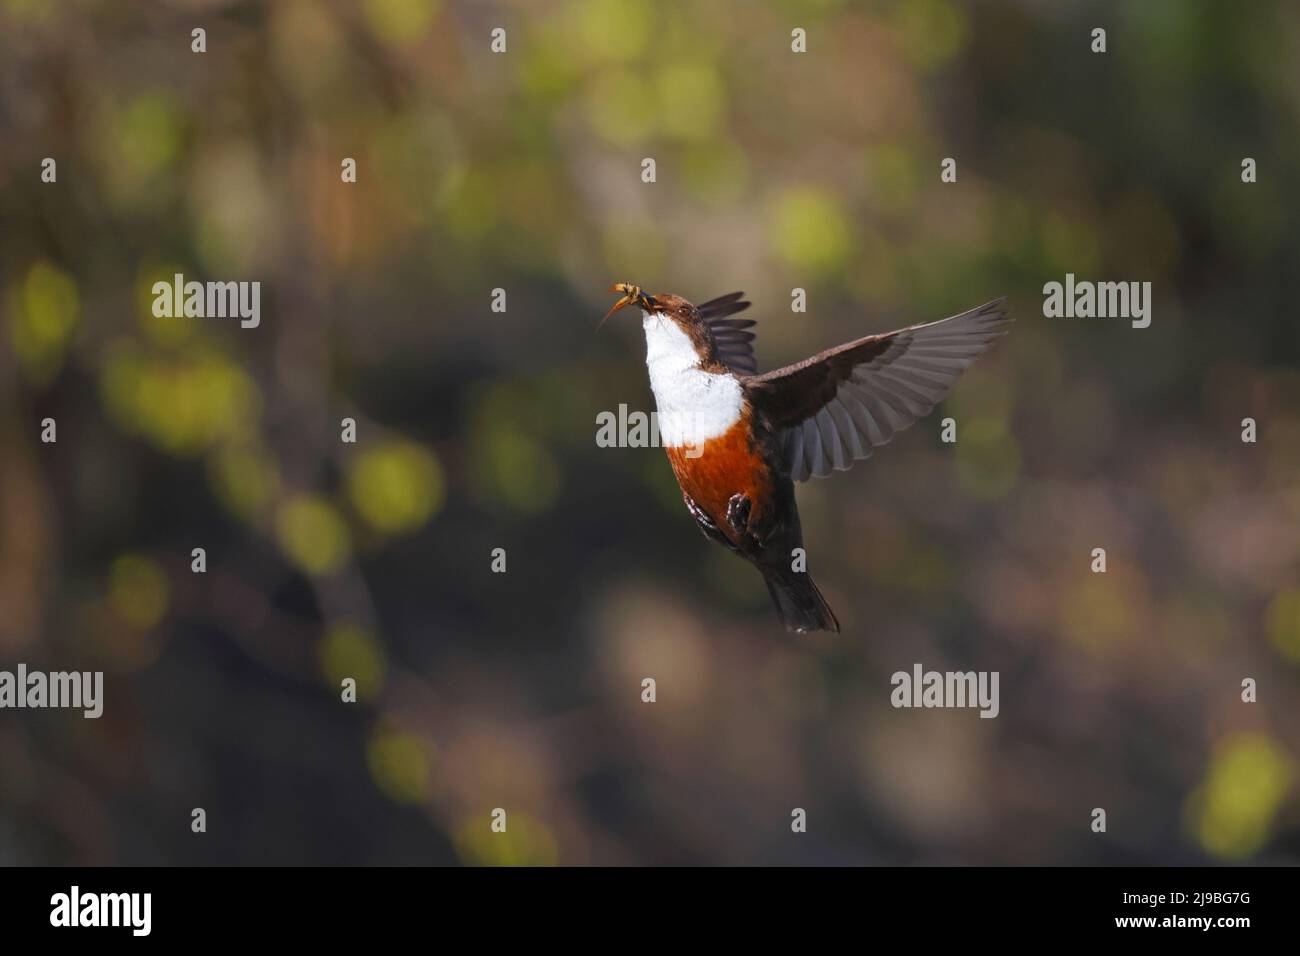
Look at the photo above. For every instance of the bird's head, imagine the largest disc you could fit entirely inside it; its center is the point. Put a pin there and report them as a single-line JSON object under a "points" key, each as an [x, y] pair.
{"points": [[671, 323]]}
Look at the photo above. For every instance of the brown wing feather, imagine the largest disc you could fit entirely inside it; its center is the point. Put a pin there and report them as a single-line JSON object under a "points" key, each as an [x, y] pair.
{"points": [[723, 306], [836, 407], [735, 343]]}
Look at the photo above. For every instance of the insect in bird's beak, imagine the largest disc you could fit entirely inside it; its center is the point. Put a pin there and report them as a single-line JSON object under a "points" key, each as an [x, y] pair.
{"points": [[632, 295]]}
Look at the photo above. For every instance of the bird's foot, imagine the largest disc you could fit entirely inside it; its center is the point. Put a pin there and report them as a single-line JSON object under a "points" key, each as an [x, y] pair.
{"points": [[705, 523], [738, 513]]}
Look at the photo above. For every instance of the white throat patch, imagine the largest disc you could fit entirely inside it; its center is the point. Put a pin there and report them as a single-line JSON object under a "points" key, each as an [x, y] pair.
{"points": [[693, 405]]}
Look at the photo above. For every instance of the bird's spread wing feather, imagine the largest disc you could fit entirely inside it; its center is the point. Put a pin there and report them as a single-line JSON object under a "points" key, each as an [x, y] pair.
{"points": [[834, 408], [735, 343]]}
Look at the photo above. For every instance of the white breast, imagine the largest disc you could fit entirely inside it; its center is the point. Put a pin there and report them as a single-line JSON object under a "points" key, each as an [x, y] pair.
{"points": [[693, 405]]}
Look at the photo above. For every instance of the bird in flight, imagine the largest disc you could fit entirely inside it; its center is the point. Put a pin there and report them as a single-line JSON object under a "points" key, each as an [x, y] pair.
{"points": [[737, 441]]}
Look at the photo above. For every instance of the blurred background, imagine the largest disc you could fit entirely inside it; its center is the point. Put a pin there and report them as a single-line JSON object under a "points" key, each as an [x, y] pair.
{"points": [[476, 431]]}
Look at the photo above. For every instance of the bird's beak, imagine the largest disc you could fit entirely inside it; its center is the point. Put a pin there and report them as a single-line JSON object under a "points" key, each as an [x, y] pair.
{"points": [[632, 295]]}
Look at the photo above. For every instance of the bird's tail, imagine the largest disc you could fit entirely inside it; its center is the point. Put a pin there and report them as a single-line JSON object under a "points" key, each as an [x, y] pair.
{"points": [[799, 604]]}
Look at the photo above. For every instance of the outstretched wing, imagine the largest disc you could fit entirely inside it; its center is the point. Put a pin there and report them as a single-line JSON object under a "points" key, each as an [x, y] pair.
{"points": [[735, 343], [836, 407]]}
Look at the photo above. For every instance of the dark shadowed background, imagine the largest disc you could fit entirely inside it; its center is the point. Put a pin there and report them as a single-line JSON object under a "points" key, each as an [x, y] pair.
{"points": [[476, 431]]}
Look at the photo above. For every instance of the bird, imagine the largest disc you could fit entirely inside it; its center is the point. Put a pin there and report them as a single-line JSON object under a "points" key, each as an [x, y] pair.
{"points": [[738, 440]]}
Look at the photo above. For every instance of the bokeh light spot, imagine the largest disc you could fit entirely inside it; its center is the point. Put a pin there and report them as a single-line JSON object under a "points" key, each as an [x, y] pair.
{"points": [[42, 317], [138, 590], [515, 468], [1284, 623], [691, 100], [1232, 812], [351, 651], [312, 534], [401, 22], [396, 486], [809, 231], [399, 765], [526, 842]]}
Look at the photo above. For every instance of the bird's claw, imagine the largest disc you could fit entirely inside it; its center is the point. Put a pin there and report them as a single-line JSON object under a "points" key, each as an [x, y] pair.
{"points": [[738, 513]]}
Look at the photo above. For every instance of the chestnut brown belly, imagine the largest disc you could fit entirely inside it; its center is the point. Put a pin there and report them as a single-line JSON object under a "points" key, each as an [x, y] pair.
{"points": [[724, 466]]}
